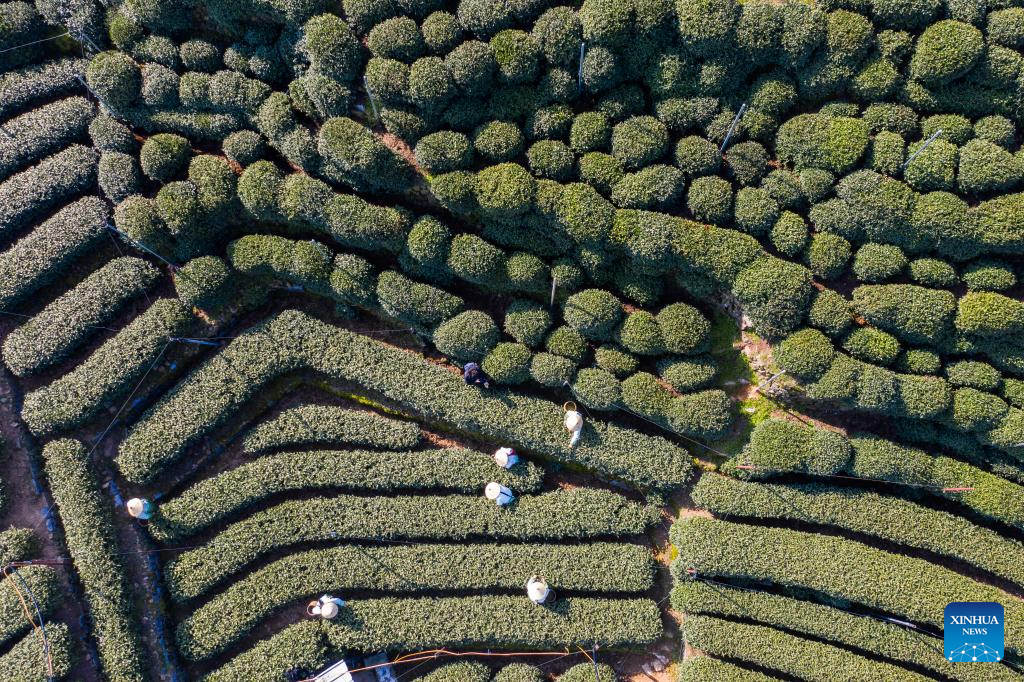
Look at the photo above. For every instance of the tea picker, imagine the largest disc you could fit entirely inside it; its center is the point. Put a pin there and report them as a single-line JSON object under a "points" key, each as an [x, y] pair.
{"points": [[538, 591], [474, 376], [140, 508], [573, 422], [498, 494], [506, 458], [326, 607]]}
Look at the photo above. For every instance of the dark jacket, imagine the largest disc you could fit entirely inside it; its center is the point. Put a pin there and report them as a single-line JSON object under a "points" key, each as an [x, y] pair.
{"points": [[474, 376]]}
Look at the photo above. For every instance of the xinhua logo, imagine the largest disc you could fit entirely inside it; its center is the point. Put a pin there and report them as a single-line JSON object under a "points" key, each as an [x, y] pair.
{"points": [[973, 631]]}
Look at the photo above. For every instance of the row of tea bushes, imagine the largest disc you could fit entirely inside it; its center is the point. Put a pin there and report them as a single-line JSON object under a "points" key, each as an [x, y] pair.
{"points": [[407, 570], [293, 340], [579, 513], [415, 624], [213, 499]]}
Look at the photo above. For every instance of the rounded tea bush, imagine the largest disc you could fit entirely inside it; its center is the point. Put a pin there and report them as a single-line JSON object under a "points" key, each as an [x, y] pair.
{"points": [[827, 255], [467, 337], [707, 414], [684, 329], [204, 283], [878, 262], [590, 131], [830, 143], [789, 234], [594, 313], [639, 141], [508, 363], [602, 171], [918, 361], [597, 389], [551, 159], [505, 190], [517, 55], [527, 321], [498, 140], [115, 78], [696, 156], [872, 345], [747, 162], [444, 151], [615, 360], [754, 211], [830, 312], [655, 187], [551, 370], [806, 354], [987, 167], [430, 84], [997, 130], [244, 147], [472, 67], [441, 32], [709, 199], [946, 50], [933, 272], [568, 343], [641, 334], [558, 33], [164, 156], [974, 374], [688, 375], [396, 38], [988, 274]]}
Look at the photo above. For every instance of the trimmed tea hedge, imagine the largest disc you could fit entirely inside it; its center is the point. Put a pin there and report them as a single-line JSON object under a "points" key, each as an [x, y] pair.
{"points": [[89, 533], [25, 660], [886, 517], [876, 638], [409, 569], [707, 669], [55, 179], [42, 583], [510, 622], [108, 374], [42, 255], [38, 82], [578, 513], [293, 340], [773, 649], [43, 131], [835, 567], [216, 498], [61, 327], [330, 425]]}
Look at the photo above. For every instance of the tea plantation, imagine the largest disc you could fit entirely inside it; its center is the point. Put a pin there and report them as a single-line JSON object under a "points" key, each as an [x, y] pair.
{"points": [[771, 251]]}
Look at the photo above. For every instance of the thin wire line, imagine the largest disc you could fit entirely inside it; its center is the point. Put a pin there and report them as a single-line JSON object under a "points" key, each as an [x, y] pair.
{"points": [[35, 42]]}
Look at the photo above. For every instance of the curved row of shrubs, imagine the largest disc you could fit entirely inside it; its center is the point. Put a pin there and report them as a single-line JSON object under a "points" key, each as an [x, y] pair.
{"points": [[55, 179], [507, 622], [108, 374], [870, 635], [41, 256], [213, 499], [788, 654], [89, 532], [777, 447], [294, 340], [890, 518], [835, 568], [408, 570], [66, 323], [330, 425], [580, 513]]}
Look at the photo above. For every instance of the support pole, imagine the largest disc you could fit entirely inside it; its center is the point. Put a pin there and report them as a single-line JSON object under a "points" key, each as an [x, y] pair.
{"points": [[732, 128], [579, 74], [927, 142]]}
